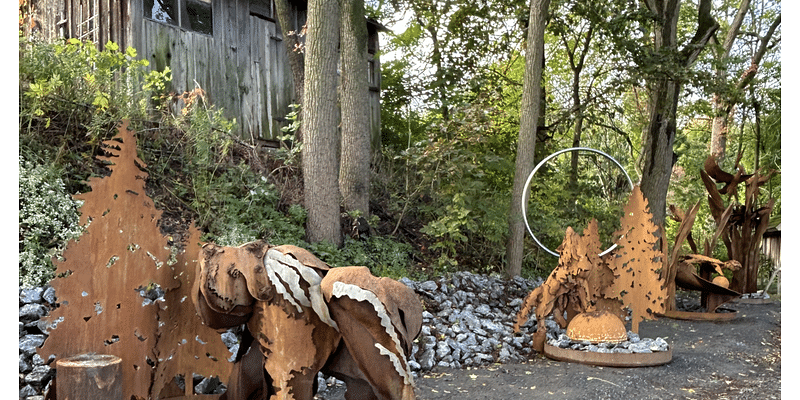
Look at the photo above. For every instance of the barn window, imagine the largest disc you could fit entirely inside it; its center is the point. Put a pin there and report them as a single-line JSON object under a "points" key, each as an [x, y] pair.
{"points": [[192, 15], [199, 16], [263, 8], [372, 74]]}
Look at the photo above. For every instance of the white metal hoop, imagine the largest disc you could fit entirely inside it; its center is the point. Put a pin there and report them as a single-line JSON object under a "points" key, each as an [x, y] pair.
{"points": [[526, 191]]}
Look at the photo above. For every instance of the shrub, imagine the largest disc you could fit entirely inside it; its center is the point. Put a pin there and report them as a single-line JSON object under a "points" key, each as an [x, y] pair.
{"points": [[48, 217]]}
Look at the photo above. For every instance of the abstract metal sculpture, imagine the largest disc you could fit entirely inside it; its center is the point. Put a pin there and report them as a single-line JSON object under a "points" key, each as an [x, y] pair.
{"points": [[743, 231], [541, 163], [694, 271]]}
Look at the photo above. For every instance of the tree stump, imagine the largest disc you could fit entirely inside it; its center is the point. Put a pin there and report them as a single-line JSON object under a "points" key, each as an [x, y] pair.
{"points": [[89, 376]]}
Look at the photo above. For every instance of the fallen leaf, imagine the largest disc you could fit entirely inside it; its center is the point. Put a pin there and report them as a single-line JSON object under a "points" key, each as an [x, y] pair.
{"points": [[473, 376], [593, 378], [688, 390]]}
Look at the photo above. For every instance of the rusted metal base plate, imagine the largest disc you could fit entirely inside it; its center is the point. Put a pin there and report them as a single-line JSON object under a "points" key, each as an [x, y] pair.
{"points": [[700, 316], [609, 359]]}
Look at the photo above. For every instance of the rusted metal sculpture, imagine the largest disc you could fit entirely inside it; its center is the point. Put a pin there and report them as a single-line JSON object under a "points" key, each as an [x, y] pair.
{"points": [[99, 284], [694, 271], [636, 261], [596, 327], [306, 317], [585, 282], [743, 231]]}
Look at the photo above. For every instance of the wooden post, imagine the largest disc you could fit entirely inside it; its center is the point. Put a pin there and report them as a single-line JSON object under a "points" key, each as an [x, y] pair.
{"points": [[89, 376]]}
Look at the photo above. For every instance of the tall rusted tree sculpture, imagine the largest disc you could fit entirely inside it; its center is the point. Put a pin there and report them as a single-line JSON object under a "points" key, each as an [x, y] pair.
{"points": [[636, 260], [121, 254], [744, 229]]}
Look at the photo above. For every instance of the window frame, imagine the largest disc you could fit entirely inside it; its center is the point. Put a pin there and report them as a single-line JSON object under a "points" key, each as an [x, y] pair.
{"points": [[183, 20]]}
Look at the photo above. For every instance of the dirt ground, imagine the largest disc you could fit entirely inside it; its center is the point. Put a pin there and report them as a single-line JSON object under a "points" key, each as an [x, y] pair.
{"points": [[738, 359]]}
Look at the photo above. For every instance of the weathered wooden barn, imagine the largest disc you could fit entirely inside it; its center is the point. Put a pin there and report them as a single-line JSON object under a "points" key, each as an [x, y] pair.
{"points": [[232, 49]]}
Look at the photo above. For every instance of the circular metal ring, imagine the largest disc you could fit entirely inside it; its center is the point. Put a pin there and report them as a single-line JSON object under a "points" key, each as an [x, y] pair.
{"points": [[526, 191]]}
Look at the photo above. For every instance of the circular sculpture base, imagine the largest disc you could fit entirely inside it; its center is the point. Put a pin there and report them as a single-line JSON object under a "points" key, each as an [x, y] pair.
{"points": [[700, 316], [609, 359]]}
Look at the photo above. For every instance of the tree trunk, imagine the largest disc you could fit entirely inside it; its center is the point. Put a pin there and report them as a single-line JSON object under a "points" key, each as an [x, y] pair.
{"points": [[657, 155], [577, 105], [321, 142], [757, 117], [719, 128], [530, 110], [722, 108], [354, 175], [657, 152]]}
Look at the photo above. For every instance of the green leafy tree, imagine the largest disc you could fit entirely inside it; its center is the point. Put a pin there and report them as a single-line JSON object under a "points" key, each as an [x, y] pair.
{"points": [[449, 42], [732, 85]]}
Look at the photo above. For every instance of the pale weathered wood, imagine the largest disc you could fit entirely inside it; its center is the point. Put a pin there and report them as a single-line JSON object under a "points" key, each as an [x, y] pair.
{"points": [[89, 376], [243, 66]]}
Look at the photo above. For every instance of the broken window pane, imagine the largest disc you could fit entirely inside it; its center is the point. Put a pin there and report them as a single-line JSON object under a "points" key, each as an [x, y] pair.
{"points": [[165, 11], [199, 16], [192, 15]]}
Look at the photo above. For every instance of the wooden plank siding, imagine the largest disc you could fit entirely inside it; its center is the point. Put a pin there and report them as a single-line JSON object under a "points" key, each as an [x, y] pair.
{"points": [[242, 66]]}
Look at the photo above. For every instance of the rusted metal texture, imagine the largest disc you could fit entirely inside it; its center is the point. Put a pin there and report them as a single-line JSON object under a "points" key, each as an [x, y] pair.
{"points": [[378, 319], [306, 317], [101, 282], [701, 272], [596, 327], [583, 281], [609, 359], [701, 316], [697, 271], [742, 232], [635, 262], [89, 376]]}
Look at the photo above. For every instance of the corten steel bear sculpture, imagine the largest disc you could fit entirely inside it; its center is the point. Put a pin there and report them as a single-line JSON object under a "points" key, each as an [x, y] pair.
{"points": [[306, 317]]}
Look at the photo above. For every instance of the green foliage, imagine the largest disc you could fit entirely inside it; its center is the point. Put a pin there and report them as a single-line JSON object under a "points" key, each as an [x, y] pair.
{"points": [[72, 95], [600, 192], [77, 78], [229, 200], [48, 218], [383, 255], [291, 148], [456, 187]]}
